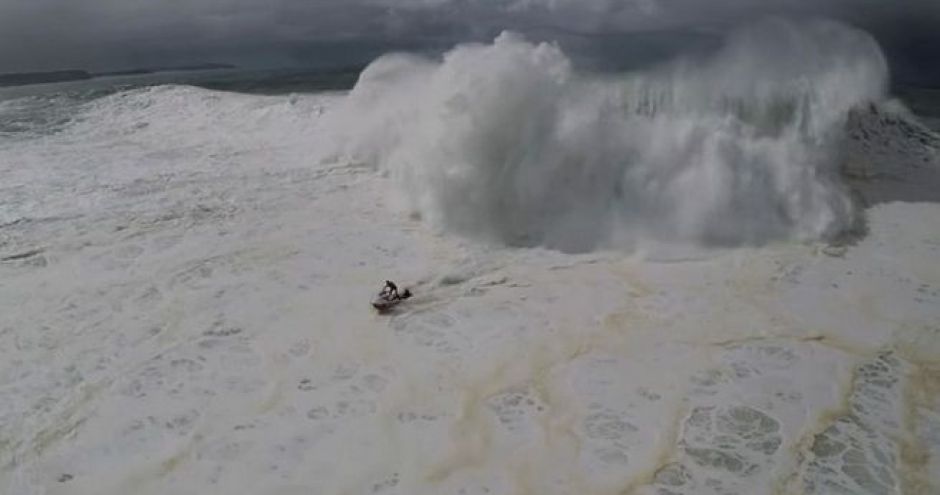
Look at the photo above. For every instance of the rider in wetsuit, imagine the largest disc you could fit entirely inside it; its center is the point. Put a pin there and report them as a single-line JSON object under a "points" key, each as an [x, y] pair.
{"points": [[390, 291]]}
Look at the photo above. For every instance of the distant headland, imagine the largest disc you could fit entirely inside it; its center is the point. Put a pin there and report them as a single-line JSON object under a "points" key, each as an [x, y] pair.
{"points": [[25, 78]]}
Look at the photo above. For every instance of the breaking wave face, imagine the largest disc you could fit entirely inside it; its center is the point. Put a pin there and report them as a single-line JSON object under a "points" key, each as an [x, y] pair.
{"points": [[506, 142]]}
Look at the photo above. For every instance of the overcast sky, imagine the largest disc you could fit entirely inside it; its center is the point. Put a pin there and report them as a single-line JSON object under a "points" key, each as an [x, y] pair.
{"points": [[115, 34]]}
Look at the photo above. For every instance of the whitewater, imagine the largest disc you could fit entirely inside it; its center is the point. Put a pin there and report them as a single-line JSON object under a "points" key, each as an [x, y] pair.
{"points": [[718, 275]]}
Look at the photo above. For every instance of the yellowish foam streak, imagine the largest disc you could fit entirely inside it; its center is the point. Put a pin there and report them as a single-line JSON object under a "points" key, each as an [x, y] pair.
{"points": [[472, 433], [921, 392]]}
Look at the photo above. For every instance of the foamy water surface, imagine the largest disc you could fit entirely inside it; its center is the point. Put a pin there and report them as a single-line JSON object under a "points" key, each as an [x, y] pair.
{"points": [[186, 276]]}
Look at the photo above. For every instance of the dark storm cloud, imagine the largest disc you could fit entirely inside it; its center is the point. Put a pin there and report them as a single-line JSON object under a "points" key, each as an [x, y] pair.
{"points": [[46, 34]]}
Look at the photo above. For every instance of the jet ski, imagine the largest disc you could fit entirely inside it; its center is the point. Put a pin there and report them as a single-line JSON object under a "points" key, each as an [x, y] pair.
{"points": [[389, 297]]}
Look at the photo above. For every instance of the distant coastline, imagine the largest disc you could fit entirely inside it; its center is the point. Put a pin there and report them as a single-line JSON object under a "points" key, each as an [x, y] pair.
{"points": [[27, 78]]}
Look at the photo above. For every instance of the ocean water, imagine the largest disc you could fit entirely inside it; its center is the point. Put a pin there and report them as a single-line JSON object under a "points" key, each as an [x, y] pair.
{"points": [[717, 275]]}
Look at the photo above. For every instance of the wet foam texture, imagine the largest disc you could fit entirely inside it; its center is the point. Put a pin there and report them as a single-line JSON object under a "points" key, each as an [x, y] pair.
{"points": [[184, 289], [506, 142]]}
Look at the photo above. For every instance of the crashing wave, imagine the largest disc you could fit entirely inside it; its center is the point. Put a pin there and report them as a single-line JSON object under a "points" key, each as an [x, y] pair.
{"points": [[506, 142]]}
